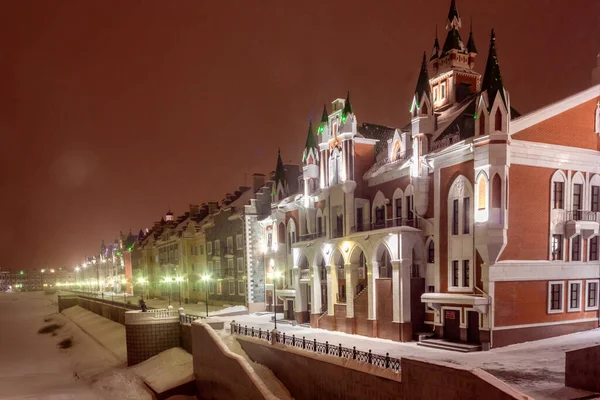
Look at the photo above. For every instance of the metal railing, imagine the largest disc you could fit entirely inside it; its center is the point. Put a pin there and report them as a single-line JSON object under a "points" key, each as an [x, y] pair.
{"points": [[188, 318], [395, 222], [581, 215], [369, 357], [311, 236]]}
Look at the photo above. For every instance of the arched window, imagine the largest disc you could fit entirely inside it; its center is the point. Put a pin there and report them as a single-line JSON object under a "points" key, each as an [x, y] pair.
{"points": [[397, 150], [281, 233], [481, 192], [496, 192], [498, 125], [558, 190], [291, 227], [431, 252]]}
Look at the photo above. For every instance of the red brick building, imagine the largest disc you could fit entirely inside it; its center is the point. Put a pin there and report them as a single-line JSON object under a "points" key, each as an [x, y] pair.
{"points": [[473, 222]]}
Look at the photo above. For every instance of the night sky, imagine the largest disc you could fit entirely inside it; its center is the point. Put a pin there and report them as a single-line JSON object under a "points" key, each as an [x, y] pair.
{"points": [[113, 111]]}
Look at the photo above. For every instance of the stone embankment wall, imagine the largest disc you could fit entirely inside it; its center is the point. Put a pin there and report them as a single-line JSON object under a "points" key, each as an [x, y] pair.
{"points": [[340, 378], [104, 309], [582, 368], [220, 373]]}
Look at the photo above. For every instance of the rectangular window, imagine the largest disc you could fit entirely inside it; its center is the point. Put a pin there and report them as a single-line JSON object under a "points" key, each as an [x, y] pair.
{"points": [[455, 273], [218, 268], [240, 264], [379, 217], [201, 249], [595, 198], [219, 287], [319, 225], [577, 191], [210, 267], [229, 244], [466, 273], [591, 302], [398, 212], [232, 287], [209, 246], [455, 217], [241, 287], [239, 242], [557, 244], [230, 267], [212, 288], [574, 296], [359, 219], [558, 194], [576, 248], [409, 209], [466, 215], [191, 250], [594, 248], [555, 298]]}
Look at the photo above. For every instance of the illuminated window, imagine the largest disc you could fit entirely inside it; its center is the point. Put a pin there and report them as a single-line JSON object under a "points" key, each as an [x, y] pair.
{"points": [[482, 193]]}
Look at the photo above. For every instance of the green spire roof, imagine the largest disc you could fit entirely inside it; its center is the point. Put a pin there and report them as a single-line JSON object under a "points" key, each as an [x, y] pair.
{"points": [[436, 47], [347, 106], [423, 81], [279, 170], [492, 79], [325, 116], [310, 145], [471, 42]]}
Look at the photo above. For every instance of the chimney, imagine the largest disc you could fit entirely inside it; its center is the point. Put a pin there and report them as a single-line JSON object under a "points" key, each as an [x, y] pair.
{"points": [[194, 209], [258, 181], [212, 207]]}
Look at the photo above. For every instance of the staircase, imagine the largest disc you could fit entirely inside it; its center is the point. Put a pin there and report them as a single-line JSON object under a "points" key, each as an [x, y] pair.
{"points": [[452, 346]]}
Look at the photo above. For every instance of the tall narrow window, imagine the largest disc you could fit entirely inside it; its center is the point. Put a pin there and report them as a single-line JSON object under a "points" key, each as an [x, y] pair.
{"points": [[379, 217], [577, 191], [575, 248], [466, 216], [592, 294], [557, 244], [594, 248], [482, 193], [574, 296], [466, 272], [558, 195], [431, 252], [359, 219], [496, 192], [596, 198], [455, 273], [319, 225], [455, 217], [556, 297], [409, 209], [482, 123], [399, 212], [498, 125]]}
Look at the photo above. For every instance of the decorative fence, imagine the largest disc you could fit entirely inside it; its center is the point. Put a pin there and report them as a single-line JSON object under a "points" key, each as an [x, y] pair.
{"points": [[378, 360], [188, 318]]}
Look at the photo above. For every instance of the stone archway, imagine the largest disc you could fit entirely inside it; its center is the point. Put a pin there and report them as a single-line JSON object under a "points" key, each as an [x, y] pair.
{"points": [[383, 288]]}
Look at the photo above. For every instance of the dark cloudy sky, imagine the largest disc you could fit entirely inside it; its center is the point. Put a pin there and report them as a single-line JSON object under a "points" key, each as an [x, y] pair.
{"points": [[111, 111]]}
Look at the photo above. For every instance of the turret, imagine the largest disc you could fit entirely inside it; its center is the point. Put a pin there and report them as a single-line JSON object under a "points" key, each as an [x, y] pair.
{"points": [[310, 165], [471, 49]]}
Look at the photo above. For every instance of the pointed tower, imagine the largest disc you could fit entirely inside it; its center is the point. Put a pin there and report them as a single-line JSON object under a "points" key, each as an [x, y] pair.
{"points": [[347, 108], [324, 122], [435, 54], [310, 166], [422, 121], [454, 77], [494, 104], [169, 216], [280, 187]]}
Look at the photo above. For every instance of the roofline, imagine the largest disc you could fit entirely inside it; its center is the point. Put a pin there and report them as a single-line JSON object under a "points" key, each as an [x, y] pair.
{"points": [[551, 110]]}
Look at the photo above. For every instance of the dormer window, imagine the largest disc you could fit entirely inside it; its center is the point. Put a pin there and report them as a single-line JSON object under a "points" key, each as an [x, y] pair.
{"points": [[435, 93], [443, 91]]}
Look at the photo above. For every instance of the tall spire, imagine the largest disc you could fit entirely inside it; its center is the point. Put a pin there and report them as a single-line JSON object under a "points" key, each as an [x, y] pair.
{"points": [[454, 21], [311, 148], [347, 106], [279, 170], [324, 121], [492, 79], [423, 81], [471, 42], [436, 47]]}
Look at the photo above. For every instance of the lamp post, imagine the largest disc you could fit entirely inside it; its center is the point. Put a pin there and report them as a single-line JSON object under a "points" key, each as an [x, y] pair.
{"points": [[206, 280], [179, 279], [274, 276]]}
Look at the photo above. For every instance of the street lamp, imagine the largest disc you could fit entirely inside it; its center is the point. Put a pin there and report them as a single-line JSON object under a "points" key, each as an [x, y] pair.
{"points": [[142, 281], [206, 280], [274, 276], [179, 279]]}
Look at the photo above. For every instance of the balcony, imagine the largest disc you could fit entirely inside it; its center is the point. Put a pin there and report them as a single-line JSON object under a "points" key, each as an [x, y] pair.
{"points": [[581, 222], [393, 223], [311, 236]]}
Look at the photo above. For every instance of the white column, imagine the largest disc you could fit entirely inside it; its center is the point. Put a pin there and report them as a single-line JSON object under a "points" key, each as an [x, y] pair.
{"points": [[332, 288], [316, 290], [396, 295], [351, 280], [372, 276], [401, 289], [300, 303]]}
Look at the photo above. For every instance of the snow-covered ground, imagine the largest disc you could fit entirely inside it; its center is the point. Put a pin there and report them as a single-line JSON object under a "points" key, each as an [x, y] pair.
{"points": [[33, 366], [536, 368]]}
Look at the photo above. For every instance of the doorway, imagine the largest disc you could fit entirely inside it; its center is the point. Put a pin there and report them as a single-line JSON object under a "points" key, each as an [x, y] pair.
{"points": [[289, 313], [452, 325], [473, 327]]}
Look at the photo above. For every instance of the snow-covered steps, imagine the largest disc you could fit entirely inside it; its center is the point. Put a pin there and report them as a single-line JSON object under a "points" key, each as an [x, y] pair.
{"points": [[452, 346]]}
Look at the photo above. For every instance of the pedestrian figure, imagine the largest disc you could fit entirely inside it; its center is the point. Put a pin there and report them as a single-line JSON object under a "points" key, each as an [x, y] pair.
{"points": [[143, 306]]}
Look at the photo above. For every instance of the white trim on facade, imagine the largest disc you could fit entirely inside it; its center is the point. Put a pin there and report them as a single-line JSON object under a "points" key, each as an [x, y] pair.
{"points": [[526, 270], [562, 297], [587, 295], [579, 296], [542, 324]]}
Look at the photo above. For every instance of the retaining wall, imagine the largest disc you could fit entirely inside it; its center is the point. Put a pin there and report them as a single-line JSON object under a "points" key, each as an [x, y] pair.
{"points": [[582, 368], [150, 333], [339, 378]]}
